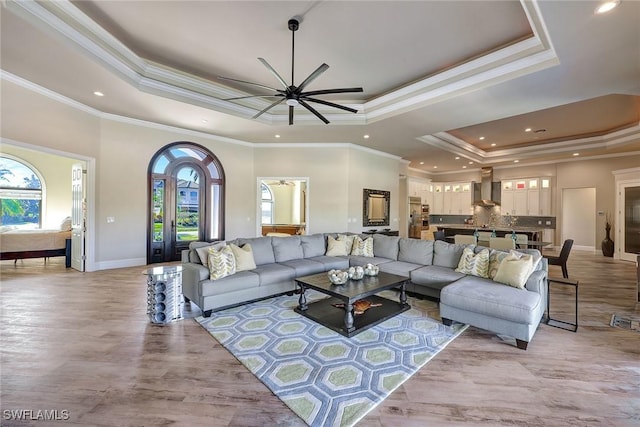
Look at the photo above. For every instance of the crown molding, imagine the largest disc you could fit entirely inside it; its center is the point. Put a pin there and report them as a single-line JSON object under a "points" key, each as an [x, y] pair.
{"points": [[67, 22], [450, 143]]}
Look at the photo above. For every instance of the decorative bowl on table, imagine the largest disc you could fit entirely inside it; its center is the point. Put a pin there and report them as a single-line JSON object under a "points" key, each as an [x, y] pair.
{"points": [[338, 277], [355, 273], [371, 270]]}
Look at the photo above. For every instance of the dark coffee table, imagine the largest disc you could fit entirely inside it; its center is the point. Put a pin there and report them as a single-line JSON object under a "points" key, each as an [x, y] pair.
{"points": [[343, 320]]}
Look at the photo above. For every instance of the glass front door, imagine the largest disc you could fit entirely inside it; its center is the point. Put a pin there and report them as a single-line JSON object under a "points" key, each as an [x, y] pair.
{"points": [[631, 231]]}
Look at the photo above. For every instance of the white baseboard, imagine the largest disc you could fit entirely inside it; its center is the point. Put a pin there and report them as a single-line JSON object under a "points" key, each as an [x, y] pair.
{"points": [[121, 263]]}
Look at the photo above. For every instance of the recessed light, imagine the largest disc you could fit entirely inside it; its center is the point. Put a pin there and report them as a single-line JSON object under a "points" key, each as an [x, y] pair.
{"points": [[481, 138], [527, 130], [607, 6], [435, 167], [277, 136], [422, 163], [464, 167], [98, 93], [576, 154], [457, 158], [516, 161], [365, 136], [205, 121], [493, 144], [470, 163]]}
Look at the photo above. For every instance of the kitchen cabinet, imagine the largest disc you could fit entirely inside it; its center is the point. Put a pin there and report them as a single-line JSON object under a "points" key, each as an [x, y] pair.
{"points": [[452, 198], [419, 188], [526, 197]]}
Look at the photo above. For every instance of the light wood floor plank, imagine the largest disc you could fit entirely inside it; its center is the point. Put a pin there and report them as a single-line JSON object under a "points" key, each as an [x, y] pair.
{"points": [[82, 342]]}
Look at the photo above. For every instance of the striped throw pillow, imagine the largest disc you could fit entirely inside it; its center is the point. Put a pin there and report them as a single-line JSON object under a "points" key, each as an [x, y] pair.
{"points": [[474, 264], [222, 263]]}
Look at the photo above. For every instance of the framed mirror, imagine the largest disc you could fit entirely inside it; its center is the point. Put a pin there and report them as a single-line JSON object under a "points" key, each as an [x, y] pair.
{"points": [[375, 207]]}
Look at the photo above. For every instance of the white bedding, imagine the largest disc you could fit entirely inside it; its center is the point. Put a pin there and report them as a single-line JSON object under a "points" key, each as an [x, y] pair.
{"points": [[33, 240]]}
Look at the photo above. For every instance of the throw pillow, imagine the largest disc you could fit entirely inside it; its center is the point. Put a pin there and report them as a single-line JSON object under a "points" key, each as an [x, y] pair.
{"points": [[349, 239], [362, 247], [474, 264], [521, 255], [66, 224], [513, 271], [222, 263], [243, 256], [336, 247], [203, 252], [495, 258]]}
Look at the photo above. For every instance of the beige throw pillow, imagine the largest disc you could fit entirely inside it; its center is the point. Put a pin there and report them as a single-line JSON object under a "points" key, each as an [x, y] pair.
{"points": [[222, 263], [349, 239], [362, 247], [514, 271], [243, 256], [336, 247], [495, 259]]}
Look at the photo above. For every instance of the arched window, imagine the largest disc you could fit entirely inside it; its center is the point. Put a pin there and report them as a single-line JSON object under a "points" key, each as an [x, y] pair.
{"points": [[186, 200], [267, 204], [21, 194]]}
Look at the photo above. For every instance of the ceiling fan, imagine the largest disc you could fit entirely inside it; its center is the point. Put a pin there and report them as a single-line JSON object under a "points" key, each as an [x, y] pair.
{"points": [[295, 95]]}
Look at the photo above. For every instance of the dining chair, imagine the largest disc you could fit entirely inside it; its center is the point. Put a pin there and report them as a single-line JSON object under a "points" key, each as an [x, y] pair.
{"points": [[438, 235], [522, 240], [502, 243], [464, 239], [562, 259]]}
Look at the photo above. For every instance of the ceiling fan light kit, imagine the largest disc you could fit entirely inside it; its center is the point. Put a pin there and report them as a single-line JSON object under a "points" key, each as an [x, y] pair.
{"points": [[294, 95]]}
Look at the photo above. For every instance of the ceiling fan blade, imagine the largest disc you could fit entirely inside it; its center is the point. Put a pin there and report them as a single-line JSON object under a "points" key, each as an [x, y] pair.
{"points": [[330, 104], [313, 110], [268, 108], [252, 96], [328, 91], [321, 69], [249, 83], [274, 72]]}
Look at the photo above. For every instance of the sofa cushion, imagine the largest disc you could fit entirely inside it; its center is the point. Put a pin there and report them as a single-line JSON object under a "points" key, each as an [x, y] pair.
{"points": [[222, 263], [514, 271], [304, 267], [416, 251], [475, 264], [355, 260], [237, 282], [312, 245], [286, 248], [262, 249], [243, 256], [386, 246], [336, 247], [435, 276], [270, 274], [446, 254], [399, 267], [486, 297], [362, 247], [332, 262]]}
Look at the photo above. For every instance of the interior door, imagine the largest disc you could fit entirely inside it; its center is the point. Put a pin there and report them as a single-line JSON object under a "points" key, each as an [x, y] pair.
{"points": [[78, 210], [630, 232]]}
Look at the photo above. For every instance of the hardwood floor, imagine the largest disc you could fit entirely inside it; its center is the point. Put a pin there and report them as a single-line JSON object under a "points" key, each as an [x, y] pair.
{"points": [[81, 342]]}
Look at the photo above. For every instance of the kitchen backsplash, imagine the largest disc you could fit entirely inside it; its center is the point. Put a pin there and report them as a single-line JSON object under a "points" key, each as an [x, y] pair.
{"points": [[497, 220]]}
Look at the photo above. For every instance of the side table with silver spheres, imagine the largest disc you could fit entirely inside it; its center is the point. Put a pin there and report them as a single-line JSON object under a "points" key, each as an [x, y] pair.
{"points": [[164, 294]]}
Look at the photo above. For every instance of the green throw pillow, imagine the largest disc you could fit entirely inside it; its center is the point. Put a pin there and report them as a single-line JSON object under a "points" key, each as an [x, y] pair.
{"points": [[474, 264], [222, 263]]}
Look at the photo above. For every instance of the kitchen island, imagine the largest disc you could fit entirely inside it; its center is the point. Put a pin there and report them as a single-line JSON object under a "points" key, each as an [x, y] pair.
{"points": [[533, 234]]}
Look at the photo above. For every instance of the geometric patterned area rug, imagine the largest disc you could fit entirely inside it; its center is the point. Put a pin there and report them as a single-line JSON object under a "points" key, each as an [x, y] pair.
{"points": [[325, 378]]}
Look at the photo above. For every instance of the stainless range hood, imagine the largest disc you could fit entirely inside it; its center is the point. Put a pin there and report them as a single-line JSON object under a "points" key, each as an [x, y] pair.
{"points": [[487, 197]]}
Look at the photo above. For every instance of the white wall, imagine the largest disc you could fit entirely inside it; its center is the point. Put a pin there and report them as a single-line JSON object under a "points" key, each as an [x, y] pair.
{"points": [[579, 217]]}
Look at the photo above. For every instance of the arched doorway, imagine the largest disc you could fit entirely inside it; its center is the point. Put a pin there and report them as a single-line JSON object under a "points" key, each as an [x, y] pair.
{"points": [[186, 200]]}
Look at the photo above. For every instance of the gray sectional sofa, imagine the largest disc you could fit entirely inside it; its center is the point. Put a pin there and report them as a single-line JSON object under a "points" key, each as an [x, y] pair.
{"points": [[429, 264]]}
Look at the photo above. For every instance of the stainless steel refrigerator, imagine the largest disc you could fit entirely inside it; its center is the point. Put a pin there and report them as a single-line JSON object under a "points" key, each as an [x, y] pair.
{"points": [[415, 217]]}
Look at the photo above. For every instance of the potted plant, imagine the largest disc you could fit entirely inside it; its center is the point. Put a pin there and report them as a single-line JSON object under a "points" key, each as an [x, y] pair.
{"points": [[607, 243]]}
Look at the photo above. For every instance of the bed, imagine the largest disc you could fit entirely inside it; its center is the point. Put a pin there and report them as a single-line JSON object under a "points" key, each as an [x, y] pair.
{"points": [[18, 244]]}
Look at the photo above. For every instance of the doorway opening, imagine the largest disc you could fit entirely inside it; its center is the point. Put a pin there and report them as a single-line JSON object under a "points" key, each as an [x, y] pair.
{"points": [[185, 202]]}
